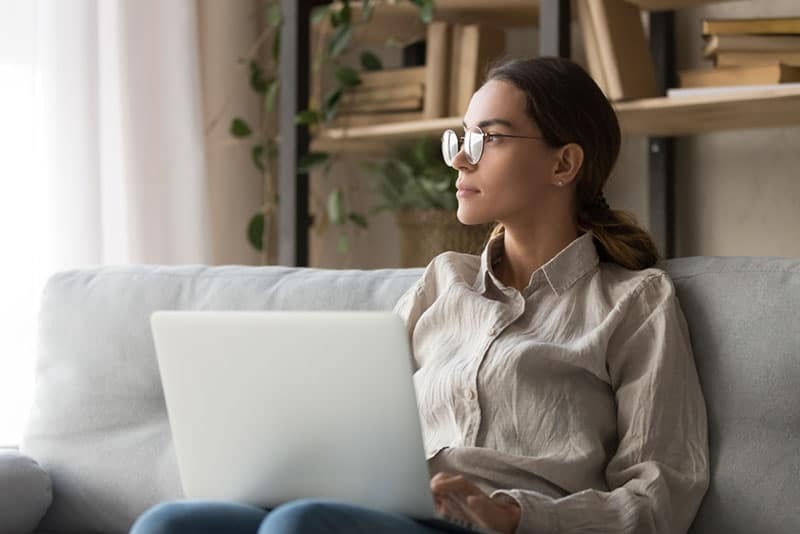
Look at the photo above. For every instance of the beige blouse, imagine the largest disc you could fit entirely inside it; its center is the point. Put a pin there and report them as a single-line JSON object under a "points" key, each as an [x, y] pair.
{"points": [[577, 397]]}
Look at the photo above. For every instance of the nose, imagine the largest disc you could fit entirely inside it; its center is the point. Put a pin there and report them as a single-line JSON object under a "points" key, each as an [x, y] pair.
{"points": [[460, 161]]}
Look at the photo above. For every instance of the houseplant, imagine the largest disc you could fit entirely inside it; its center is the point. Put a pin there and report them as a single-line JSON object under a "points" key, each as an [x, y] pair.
{"points": [[416, 184]]}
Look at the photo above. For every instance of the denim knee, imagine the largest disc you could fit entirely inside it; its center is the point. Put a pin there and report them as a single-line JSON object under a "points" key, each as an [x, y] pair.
{"points": [[304, 516], [164, 518]]}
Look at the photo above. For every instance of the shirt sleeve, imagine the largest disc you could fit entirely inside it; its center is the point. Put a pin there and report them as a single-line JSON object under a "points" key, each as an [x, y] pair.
{"points": [[417, 298], [659, 472]]}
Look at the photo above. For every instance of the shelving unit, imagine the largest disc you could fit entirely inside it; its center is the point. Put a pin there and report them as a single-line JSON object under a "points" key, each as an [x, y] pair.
{"points": [[661, 119], [663, 116]]}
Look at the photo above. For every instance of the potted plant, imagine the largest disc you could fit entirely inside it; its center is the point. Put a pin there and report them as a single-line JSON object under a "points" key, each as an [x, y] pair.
{"points": [[416, 184]]}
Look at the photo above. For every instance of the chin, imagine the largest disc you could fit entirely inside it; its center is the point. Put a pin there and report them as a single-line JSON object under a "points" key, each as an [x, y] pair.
{"points": [[465, 217]]}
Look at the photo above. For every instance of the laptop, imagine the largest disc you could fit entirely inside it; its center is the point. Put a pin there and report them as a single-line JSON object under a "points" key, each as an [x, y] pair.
{"points": [[268, 407]]}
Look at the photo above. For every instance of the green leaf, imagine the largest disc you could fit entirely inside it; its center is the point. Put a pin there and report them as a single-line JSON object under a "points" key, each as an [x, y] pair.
{"points": [[319, 13], [257, 81], [357, 219], [276, 45], [332, 100], [342, 244], [274, 15], [307, 116], [311, 160], [370, 61], [335, 201], [257, 154], [366, 10], [271, 94], [347, 76], [239, 128], [255, 231], [340, 40], [425, 10]]}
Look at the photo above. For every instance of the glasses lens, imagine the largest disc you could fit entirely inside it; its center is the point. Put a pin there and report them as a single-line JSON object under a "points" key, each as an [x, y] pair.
{"points": [[473, 144], [449, 146]]}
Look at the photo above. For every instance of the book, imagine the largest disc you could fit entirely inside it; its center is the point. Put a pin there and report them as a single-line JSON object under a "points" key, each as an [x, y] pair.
{"points": [[474, 48], [392, 77], [437, 70], [345, 120], [749, 59], [370, 95], [593, 60], [395, 104], [762, 74], [623, 50], [749, 43], [784, 25], [724, 90]]}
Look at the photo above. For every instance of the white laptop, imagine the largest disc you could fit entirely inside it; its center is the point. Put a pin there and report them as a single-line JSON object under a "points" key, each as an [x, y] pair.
{"points": [[267, 407]]}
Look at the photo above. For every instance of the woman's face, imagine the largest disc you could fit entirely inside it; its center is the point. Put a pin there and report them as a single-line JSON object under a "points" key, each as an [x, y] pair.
{"points": [[513, 176]]}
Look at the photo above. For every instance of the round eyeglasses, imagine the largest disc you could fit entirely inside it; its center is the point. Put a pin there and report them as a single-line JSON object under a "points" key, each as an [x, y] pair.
{"points": [[473, 142]]}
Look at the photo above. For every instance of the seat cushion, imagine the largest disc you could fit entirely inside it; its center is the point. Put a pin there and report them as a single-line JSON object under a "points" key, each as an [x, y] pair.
{"points": [[25, 493]]}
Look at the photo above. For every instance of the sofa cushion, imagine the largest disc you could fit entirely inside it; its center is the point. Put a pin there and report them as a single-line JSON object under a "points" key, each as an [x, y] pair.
{"points": [[744, 320], [98, 422], [25, 493]]}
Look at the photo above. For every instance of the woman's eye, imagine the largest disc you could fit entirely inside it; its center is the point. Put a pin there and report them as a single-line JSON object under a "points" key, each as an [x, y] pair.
{"points": [[491, 137]]}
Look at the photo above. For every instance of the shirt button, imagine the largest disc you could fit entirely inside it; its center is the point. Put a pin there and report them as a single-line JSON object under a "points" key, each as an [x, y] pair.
{"points": [[469, 394], [493, 332]]}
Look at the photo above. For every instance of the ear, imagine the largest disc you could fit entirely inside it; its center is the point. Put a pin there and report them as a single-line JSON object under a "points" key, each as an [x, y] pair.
{"points": [[569, 160]]}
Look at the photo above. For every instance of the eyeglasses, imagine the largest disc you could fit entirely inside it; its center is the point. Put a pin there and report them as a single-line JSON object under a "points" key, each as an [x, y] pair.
{"points": [[473, 142]]}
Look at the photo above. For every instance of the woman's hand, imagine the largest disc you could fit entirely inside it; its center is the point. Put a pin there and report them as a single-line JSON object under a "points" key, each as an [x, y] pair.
{"points": [[456, 496]]}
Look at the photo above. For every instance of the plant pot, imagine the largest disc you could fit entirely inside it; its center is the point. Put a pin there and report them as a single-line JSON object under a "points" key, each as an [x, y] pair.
{"points": [[426, 233]]}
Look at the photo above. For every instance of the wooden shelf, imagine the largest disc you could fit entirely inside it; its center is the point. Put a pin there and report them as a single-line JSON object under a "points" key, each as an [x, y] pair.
{"points": [[685, 115], [673, 116], [663, 5], [495, 12]]}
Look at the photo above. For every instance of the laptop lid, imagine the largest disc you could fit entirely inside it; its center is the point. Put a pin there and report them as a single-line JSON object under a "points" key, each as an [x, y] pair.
{"points": [[267, 407]]}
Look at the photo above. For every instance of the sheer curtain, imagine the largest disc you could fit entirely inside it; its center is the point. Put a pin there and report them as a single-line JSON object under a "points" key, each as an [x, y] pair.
{"points": [[101, 155]]}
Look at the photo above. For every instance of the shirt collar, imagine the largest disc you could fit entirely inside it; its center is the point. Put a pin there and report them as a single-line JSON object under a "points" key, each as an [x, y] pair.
{"points": [[560, 272]]}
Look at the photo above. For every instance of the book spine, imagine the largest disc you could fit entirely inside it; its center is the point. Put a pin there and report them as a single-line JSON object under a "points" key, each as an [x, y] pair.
{"points": [[437, 70]]}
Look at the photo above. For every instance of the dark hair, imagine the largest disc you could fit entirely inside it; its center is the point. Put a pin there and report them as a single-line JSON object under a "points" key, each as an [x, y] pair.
{"points": [[568, 107]]}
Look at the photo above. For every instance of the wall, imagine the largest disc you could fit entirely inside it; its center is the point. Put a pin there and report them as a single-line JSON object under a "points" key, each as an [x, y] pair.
{"points": [[227, 31]]}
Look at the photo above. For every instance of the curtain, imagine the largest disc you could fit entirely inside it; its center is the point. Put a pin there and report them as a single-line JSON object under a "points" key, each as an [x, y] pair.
{"points": [[102, 155]]}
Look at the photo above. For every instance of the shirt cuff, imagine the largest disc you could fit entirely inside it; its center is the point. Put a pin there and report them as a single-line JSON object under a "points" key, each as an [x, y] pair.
{"points": [[538, 514]]}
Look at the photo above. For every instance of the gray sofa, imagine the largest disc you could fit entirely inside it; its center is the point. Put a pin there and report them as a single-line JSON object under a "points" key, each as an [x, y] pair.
{"points": [[97, 449]]}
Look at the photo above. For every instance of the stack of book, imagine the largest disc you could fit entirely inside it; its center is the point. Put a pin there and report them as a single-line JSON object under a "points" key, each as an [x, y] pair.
{"points": [[756, 51], [457, 57], [391, 95]]}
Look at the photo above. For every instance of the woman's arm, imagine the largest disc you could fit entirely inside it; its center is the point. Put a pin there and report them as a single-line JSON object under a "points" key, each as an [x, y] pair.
{"points": [[659, 472]]}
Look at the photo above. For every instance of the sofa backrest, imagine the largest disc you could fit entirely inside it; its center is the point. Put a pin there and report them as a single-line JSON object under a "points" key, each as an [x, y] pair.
{"points": [[744, 321], [98, 423], [99, 426]]}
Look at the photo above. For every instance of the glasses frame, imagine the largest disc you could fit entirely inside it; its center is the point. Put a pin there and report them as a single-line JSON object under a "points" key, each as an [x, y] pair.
{"points": [[484, 135]]}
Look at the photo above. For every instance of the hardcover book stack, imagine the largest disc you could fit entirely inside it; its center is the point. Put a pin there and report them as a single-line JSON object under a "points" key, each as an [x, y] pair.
{"points": [[456, 60], [759, 51]]}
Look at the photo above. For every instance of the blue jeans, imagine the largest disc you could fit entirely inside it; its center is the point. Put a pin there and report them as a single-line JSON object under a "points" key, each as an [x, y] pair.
{"points": [[304, 516]]}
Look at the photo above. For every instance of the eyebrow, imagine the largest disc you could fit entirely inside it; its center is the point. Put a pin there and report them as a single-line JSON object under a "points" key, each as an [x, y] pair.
{"points": [[491, 122]]}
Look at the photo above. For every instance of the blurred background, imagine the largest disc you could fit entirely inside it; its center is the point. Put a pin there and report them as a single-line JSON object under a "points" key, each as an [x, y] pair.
{"points": [[147, 131]]}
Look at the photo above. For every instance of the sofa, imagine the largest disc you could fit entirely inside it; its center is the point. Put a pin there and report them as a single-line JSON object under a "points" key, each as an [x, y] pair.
{"points": [[97, 449]]}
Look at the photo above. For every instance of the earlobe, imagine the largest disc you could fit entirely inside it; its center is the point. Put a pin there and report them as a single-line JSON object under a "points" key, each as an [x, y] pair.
{"points": [[570, 159]]}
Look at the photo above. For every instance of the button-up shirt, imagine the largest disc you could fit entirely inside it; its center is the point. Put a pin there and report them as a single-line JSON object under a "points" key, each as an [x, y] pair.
{"points": [[578, 397]]}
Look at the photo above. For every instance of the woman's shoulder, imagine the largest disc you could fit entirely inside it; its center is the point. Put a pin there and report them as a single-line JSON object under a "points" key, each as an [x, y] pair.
{"points": [[652, 284], [450, 268]]}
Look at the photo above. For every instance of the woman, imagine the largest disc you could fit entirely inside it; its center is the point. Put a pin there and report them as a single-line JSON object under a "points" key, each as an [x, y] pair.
{"points": [[556, 383]]}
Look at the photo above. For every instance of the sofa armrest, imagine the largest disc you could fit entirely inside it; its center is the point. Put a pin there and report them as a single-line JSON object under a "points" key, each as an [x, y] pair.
{"points": [[25, 493]]}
